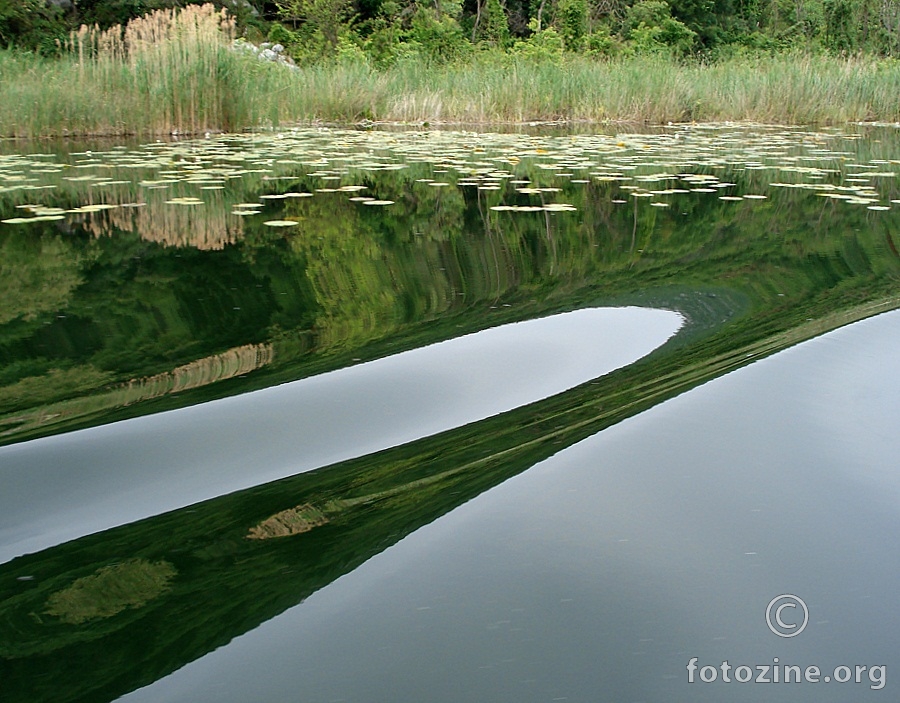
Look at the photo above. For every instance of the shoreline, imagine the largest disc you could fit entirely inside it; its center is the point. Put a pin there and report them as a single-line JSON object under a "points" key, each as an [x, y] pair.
{"points": [[590, 126]]}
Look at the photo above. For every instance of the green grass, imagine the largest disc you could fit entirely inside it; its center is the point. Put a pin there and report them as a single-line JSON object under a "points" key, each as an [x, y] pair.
{"points": [[176, 72]]}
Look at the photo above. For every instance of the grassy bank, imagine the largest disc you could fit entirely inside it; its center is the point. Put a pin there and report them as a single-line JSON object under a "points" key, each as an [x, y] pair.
{"points": [[178, 72]]}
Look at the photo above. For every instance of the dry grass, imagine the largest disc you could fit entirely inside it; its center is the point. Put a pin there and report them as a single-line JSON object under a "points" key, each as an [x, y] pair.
{"points": [[173, 70]]}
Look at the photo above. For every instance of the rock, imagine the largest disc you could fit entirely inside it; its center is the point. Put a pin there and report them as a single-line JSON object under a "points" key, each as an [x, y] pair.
{"points": [[239, 5], [265, 52]]}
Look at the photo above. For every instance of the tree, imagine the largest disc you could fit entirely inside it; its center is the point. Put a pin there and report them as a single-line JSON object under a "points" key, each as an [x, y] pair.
{"points": [[32, 24], [572, 22], [491, 24], [840, 26], [327, 17], [650, 26]]}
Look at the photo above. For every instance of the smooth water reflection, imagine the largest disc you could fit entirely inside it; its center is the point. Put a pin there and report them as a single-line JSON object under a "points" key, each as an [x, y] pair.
{"points": [[600, 572], [60, 488], [595, 575]]}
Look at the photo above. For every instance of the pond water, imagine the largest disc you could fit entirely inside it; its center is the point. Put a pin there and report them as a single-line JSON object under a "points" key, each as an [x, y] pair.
{"points": [[601, 571], [450, 416], [73, 484]]}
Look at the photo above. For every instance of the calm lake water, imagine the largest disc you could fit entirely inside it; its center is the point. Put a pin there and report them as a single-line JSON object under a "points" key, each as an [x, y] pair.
{"points": [[338, 415]]}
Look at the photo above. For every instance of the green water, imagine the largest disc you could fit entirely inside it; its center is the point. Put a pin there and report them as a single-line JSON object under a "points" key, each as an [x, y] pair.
{"points": [[166, 298]]}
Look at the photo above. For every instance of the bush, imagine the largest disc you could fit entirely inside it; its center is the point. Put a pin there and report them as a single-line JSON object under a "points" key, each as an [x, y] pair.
{"points": [[601, 43], [543, 45], [650, 28], [439, 39], [385, 44], [572, 20]]}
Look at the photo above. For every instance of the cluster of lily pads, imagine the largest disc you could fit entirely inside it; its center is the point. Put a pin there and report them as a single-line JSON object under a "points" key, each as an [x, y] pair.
{"points": [[683, 160]]}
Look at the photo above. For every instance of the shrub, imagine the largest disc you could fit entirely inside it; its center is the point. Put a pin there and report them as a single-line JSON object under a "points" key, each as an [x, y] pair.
{"points": [[651, 28]]}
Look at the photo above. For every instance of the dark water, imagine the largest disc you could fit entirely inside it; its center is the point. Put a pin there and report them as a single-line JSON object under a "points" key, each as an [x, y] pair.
{"points": [[82, 482], [521, 436], [600, 572]]}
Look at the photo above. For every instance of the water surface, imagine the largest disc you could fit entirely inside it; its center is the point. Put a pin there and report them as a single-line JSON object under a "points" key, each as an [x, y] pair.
{"points": [[598, 573], [443, 443], [61, 488]]}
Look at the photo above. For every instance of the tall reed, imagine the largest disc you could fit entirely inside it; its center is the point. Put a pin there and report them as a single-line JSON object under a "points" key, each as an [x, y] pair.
{"points": [[170, 71], [171, 67]]}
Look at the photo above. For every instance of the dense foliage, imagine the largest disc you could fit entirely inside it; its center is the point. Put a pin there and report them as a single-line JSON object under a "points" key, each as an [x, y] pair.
{"points": [[383, 32]]}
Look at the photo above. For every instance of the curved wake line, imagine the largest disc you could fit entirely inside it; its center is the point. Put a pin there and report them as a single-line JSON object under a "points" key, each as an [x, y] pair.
{"points": [[60, 488]]}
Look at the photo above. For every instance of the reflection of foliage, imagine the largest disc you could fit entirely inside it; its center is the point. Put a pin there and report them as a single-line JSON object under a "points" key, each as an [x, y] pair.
{"points": [[345, 269], [110, 590], [56, 393], [751, 277], [356, 281], [55, 384], [37, 275], [287, 523], [209, 226], [228, 584]]}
